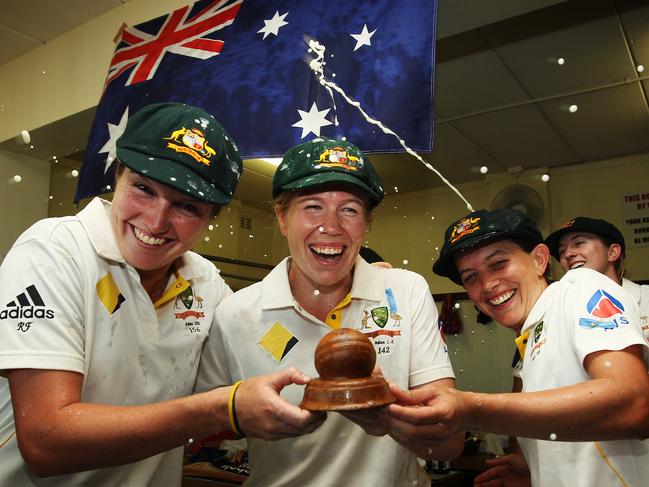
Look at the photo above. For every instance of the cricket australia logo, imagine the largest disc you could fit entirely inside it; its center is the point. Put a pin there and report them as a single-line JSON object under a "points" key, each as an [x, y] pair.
{"points": [[193, 144], [339, 157], [26, 307], [380, 316], [187, 298]]}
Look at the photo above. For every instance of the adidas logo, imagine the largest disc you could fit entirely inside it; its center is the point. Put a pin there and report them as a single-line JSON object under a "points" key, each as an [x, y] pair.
{"points": [[27, 305]]}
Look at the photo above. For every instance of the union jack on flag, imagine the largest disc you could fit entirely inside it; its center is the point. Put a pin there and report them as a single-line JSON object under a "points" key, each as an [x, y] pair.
{"points": [[180, 33], [259, 86]]}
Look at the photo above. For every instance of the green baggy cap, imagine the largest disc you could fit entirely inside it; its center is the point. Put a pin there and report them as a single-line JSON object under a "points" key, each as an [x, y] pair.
{"points": [[481, 227], [183, 147], [323, 160]]}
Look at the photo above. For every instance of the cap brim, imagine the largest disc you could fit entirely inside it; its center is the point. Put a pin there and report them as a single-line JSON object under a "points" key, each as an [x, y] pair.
{"points": [[322, 178], [446, 267], [173, 174]]}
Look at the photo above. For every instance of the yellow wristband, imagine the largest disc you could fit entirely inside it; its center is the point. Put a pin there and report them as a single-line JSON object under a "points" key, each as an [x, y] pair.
{"points": [[232, 414]]}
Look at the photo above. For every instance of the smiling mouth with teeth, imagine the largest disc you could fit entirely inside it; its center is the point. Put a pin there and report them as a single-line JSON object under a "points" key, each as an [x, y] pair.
{"points": [[502, 298], [327, 252], [144, 238], [577, 265]]}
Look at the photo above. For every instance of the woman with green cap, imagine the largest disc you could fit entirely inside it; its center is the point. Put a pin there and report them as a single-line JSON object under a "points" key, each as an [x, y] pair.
{"points": [[584, 407], [103, 329], [325, 191]]}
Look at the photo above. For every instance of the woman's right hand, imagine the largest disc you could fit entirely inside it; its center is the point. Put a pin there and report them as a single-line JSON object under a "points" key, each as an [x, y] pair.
{"points": [[263, 413]]}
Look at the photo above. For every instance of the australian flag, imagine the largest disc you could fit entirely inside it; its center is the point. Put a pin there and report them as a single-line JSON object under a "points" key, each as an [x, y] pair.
{"points": [[247, 63]]}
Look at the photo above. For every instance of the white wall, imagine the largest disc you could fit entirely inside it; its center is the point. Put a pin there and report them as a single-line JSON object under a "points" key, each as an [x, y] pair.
{"points": [[25, 202], [66, 75]]}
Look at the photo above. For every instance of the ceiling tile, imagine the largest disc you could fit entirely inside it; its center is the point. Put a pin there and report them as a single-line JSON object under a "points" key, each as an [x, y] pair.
{"points": [[634, 15], [456, 154], [470, 77], [607, 123], [14, 44], [585, 33], [520, 136]]}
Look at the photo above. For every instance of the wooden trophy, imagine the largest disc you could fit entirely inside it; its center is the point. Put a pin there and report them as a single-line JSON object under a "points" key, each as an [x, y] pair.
{"points": [[345, 360]]}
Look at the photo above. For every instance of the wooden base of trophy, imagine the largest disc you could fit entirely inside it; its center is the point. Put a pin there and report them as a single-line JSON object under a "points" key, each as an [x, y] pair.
{"points": [[345, 360], [346, 394]]}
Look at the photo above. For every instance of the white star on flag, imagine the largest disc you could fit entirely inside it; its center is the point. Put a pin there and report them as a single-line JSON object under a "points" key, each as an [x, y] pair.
{"points": [[114, 133], [312, 121], [273, 25], [363, 39]]}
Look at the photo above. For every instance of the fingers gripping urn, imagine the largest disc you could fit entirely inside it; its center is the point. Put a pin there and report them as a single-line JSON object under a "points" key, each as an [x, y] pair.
{"points": [[345, 359]]}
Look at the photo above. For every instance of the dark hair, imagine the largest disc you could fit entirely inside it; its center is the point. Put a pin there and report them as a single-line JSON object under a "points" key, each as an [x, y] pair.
{"points": [[370, 256]]}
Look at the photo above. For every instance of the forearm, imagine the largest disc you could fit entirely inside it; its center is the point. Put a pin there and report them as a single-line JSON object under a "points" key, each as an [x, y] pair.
{"points": [[58, 434], [598, 409], [447, 449], [84, 436]]}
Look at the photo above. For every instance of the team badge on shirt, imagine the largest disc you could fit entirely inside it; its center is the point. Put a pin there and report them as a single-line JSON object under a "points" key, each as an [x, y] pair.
{"points": [[380, 316], [188, 299], [606, 310], [278, 341], [538, 339], [384, 338]]}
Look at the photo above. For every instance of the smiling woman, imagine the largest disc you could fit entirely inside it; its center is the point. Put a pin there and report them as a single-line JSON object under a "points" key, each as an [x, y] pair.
{"points": [[325, 191], [154, 224], [119, 309], [585, 384]]}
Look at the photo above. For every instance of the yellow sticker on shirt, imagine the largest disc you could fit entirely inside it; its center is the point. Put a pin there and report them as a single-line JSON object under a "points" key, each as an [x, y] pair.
{"points": [[278, 341], [109, 293], [521, 343]]}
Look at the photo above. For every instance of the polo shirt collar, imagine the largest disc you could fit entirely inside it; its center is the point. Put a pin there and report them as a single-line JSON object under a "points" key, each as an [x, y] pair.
{"points": [[369, 281], [368, 284], [540, 308], [95, 219], [276, 290]]}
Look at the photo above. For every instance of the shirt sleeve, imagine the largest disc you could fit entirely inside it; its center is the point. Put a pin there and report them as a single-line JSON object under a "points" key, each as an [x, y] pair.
{"points": [[214, 368], [429, 360], [41, 319], [602, 314]]}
